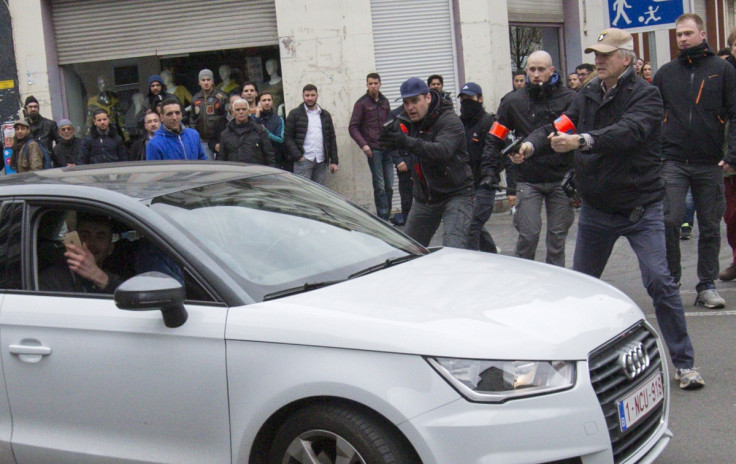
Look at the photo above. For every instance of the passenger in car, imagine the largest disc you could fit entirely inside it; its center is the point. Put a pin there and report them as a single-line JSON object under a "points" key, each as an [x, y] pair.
{"points": [[83, 271]]}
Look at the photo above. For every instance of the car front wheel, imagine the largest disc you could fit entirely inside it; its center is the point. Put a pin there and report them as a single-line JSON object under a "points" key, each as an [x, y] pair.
{"points": [[336, 434]]}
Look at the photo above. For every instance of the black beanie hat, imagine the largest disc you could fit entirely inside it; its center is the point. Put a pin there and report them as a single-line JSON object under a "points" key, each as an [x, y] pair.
{"points": [[31, 99]]}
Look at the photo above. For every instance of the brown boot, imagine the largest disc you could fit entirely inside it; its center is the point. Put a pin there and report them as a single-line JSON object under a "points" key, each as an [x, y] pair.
{"points": [[729, 273]]}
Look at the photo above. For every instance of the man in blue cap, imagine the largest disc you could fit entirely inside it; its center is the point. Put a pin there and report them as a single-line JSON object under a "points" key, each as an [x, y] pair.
{"points": [[430, 131], [477, 123]]}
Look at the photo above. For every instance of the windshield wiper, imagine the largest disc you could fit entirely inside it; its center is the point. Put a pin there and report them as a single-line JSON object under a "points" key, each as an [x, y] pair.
{"points": [[385, 264], [300, 289]]}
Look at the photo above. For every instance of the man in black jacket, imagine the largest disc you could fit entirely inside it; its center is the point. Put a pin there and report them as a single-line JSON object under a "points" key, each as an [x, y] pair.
{"points": [[617, 165], [243, 140], [102, 144], [309, 137], [43, 130], [433, 134], [699, 94], [67, 148], [537, 179], [477, 123]]}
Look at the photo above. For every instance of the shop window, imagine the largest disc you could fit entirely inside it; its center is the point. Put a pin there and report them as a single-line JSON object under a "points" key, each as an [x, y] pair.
{"points": [[527, 38], [121, 86]]}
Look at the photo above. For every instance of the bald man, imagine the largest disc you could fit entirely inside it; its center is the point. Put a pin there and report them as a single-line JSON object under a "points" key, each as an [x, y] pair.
{"points": [[537, 178]]}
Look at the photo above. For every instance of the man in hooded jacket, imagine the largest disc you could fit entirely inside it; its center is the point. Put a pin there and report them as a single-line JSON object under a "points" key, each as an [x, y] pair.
{"points": [[430, 131], [477, 123], [538, 179], [699, 94]]}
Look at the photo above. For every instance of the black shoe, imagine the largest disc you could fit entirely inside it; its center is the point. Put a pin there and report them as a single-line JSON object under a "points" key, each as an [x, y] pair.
{"points": [[686, 231], [398, 219]]}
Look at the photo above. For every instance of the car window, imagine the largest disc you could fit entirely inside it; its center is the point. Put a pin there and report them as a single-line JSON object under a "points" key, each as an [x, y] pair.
{"points": [[79, 251], [274, 232], [10, 246]]}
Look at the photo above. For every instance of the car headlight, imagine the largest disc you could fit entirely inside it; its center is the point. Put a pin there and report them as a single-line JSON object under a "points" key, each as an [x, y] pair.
{"points": [[496, 381]]}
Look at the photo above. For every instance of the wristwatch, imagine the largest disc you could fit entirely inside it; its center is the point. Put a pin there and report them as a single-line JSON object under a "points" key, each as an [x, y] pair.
{"points": [[581, 142]]}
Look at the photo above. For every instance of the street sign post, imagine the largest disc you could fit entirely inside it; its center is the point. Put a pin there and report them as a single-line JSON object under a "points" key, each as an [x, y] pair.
{"points": [[645, 15]]}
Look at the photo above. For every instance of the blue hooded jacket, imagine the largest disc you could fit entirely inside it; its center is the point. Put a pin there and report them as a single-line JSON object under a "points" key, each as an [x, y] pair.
{"points": [[167, 145]]}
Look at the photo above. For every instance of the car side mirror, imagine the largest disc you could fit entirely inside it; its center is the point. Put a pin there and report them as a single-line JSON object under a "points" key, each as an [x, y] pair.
{"points": [[154, 291]]}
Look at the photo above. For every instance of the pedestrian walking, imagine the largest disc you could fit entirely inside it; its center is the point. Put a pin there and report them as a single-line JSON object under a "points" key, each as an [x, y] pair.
{"points": [[443, 181], [538, 179], [699, 93], [477, 123], [617, 165]]}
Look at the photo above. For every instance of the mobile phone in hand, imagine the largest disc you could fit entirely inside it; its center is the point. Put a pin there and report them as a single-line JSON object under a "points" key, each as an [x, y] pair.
{"points": [[72, 238]]}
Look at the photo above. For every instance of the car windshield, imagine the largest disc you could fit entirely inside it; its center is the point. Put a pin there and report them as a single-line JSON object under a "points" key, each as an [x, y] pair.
{"points": [[278, 231]]}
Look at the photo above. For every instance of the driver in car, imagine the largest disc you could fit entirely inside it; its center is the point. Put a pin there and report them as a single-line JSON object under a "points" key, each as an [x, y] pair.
{"points": [[83, 271]]}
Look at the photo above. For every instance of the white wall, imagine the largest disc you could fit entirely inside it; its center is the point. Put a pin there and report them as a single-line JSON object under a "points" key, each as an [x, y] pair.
{"points": [[329, 43], [30, 54], [485, 35]]}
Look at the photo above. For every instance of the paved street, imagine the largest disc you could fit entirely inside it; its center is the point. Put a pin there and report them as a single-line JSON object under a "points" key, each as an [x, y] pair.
{"points": [[703, 422]]}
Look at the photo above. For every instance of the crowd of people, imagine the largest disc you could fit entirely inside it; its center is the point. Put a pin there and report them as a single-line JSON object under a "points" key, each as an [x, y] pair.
{"points": [[626, 144]]}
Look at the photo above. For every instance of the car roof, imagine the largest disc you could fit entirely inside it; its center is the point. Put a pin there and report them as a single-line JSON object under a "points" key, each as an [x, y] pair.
{"points": [[140, 180]]}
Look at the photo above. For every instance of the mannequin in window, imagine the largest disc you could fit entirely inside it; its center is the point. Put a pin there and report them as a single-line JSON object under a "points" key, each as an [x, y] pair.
{"points": [[274, 85], [227, 85], [107, 100], [181, 92]]}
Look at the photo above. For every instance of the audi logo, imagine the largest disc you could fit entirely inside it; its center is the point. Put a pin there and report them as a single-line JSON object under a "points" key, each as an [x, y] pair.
{"points": [[634, 359]]}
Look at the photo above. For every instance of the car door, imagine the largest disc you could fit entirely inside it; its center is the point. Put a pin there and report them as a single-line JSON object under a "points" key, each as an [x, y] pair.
{"points": [[10, 217], [90, 383]]}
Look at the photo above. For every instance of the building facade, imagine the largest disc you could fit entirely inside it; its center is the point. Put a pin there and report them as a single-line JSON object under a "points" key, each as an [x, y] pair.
{"points": [[69, 52]]}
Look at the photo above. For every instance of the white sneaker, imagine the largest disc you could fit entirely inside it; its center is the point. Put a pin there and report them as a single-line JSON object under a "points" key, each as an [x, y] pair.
{"points": [[690, 379], [710, 299]]}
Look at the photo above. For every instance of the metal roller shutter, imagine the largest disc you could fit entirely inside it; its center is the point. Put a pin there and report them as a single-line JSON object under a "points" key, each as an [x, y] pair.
{"points": [[96, 30], [414, 42], [535, 11]]}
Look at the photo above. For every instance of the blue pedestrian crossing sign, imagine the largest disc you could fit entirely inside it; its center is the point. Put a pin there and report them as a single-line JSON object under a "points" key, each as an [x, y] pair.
{"points": [[645, 15]]}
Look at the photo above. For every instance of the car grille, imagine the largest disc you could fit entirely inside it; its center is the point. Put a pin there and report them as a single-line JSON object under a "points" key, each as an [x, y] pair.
{"points": [[611, 384]]}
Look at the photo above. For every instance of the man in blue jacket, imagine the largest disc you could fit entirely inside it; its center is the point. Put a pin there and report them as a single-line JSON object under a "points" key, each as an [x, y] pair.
{"points": [[172, 141]]}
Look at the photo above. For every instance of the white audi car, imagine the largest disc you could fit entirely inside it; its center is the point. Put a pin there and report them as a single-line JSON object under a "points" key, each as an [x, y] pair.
{"points": [[263, 319]]}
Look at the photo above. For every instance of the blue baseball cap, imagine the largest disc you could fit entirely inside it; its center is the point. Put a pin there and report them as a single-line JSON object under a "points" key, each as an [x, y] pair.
{"points": [[413, 87], [470, 89]]}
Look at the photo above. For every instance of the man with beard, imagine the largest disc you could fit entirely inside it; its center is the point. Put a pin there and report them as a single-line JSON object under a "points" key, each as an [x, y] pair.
{"points": [[699, 94], [537, 178], [310, 138], [370, 112], [477, 123], [67, 148], [102, 144], [274, 125], [156, 93], [151, 123], [43, 130], [433, 135]]}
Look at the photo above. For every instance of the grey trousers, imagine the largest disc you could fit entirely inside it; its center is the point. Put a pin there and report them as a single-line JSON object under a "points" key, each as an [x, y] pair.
{"points": [[706, 184], [312, 170], [455, 214], [528, 220]]}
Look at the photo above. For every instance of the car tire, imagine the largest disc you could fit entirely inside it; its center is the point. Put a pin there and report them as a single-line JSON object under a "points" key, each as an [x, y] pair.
{"points": [[324, 433]]}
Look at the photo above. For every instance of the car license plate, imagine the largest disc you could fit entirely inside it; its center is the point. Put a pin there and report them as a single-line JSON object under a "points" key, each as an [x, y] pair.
{"points": [[638, 403]]}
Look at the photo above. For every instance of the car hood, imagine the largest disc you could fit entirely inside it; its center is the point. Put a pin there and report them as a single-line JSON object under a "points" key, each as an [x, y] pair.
{"points": [[452, 303]]}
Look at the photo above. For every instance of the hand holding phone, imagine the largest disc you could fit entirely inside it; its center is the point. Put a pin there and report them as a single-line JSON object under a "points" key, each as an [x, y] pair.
{"points": [[72, 238]]}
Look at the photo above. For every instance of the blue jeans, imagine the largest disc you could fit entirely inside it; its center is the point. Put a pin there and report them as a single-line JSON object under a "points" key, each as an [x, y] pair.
{"points": [[382, 172], [598, 232], [689, 209]]}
